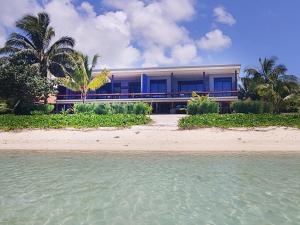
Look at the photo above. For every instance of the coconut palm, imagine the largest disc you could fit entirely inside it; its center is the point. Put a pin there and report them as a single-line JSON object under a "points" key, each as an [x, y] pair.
{"points": [[32, 45], [269, 82], [82, 78]]}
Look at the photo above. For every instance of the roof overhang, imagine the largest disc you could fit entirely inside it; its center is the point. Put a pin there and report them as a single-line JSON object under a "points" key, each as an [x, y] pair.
{"points": [[188, 70]]}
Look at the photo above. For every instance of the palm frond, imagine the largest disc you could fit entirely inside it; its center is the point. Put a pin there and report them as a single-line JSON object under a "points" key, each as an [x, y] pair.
{"points": [[69, 83], [99, 80]]}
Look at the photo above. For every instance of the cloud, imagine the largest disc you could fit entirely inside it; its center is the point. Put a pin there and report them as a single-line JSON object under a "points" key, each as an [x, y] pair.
{"points": [[10, 11], [130, 33], [185, 54], [214, 40], [222, 16]]}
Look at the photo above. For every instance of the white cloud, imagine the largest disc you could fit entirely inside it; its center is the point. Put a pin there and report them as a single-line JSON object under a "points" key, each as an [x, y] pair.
{"points": [[10, 11], [107, 34], [132, 33], [185, 54], [2, 37], [222, 16], [214, 40]]}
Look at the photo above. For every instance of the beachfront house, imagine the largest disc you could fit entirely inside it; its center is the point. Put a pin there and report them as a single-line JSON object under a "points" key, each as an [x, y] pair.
{"points": [[166, 88]]}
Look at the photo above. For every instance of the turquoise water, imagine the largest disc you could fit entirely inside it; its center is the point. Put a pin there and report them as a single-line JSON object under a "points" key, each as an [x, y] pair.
{"points": [[137, 189]]}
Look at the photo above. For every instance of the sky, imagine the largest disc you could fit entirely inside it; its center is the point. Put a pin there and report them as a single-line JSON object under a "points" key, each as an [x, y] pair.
{"points": [[149, 33]]}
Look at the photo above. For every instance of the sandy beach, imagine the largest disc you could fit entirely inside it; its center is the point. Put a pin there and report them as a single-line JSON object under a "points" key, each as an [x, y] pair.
{"points": [[161, 135]]}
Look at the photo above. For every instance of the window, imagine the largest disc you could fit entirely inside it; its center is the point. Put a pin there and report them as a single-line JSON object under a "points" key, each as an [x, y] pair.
{"points": [[190, 86], [158, 86], [134, 87], [117, 87], [223, 84]]}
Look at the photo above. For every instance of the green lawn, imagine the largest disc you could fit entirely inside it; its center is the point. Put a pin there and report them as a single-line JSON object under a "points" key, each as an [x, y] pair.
{"points": [[12, 122], [239, 120]]}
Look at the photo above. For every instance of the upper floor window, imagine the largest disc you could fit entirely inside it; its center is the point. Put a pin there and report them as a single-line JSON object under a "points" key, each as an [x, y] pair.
{"points": [[158, 86], [190, 86], [223, 84]]}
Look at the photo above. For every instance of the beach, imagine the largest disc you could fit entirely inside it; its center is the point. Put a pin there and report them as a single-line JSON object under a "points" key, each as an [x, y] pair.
{"points": [[161, 135]]}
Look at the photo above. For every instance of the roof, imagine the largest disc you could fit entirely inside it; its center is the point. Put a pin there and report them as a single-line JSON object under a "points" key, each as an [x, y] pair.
{"points": [[208, 67]]}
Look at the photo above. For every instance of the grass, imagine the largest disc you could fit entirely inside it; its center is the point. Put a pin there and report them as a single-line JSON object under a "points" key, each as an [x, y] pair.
{"points": [[12, 122], [239, 120]]}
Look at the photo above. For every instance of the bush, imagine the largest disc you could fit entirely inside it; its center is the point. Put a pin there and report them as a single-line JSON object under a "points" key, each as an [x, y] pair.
{"points": [[249, 106], [142, 108], [56, 121], [202, 105], [240, 120], [113, 108], [4, 108], [31, 109], [41, 109], [84, 108]]}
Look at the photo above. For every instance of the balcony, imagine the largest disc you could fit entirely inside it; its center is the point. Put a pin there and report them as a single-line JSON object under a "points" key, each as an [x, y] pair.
{"points": [[220, 96]]}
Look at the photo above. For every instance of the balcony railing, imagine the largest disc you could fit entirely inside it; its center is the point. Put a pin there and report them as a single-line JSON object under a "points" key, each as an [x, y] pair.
{"points": [[215, 94]]}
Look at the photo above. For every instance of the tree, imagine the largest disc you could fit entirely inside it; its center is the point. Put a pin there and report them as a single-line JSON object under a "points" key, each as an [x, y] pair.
{"points": [[82, 79], [23, 85], [33, 46], [270, 83]]}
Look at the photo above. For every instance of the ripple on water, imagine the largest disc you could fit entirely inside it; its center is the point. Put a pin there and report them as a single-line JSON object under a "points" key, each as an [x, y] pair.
{"points": [[149, 189]]}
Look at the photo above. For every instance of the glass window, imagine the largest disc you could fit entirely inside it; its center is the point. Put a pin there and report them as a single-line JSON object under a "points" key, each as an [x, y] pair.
{"points": [[134, 87], [190, 86], [158, 86], [117, 87], [223, 84]]}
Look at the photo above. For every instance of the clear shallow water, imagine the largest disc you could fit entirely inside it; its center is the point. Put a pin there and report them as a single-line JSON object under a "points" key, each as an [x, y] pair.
{"points": [[149, 189]]}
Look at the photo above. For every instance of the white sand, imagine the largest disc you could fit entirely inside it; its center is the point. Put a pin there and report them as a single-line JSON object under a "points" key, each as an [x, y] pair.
{"points": [[161, 135]]}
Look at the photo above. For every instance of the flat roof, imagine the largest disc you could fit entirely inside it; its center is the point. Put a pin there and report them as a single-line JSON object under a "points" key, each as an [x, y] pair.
{"points": [[176, 68]]}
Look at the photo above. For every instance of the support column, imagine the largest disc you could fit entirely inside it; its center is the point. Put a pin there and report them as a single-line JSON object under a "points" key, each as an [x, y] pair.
{"points": [[112, 84], [144, 83], [236, 80], [172, 84], [204, 82]]}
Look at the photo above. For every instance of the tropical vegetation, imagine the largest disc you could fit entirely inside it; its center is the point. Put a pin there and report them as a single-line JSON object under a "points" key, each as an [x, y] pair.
{"points": [[81, 77], [251, 106], [201, 105], [32, 45], [138, 108], [240, 120], [271, 83], [55, 121]]}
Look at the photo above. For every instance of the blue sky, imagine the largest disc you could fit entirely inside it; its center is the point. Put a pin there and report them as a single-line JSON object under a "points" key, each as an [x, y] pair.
{"points": [[131, 33]]}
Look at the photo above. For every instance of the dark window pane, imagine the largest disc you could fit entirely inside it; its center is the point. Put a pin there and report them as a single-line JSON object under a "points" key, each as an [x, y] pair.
{"points": [[158, 86], [223, 84], [190, 86], [134, 87]]}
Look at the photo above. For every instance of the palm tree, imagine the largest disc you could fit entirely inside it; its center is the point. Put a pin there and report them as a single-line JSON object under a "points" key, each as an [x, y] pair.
{"points": [[33, 45], [82, 79], [269, 82]]}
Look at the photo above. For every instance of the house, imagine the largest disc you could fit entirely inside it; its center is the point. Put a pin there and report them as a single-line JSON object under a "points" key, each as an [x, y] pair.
{"points": [[164, 87]]}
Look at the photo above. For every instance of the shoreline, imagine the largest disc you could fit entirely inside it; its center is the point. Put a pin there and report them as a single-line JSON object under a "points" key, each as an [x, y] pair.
{"points": [[162, 135]]}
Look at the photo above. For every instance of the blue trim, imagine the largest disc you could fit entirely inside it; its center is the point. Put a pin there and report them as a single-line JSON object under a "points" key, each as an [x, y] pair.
{"points": [[144, 83]]}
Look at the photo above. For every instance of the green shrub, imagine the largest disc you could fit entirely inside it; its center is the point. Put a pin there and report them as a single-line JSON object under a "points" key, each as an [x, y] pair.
{"points": [[249, 106], [84, 108], [4, 108], [102, 109], [202, 105], [240, 120], [142, 108], [113, 108], [31, 109], [55, 121]]}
